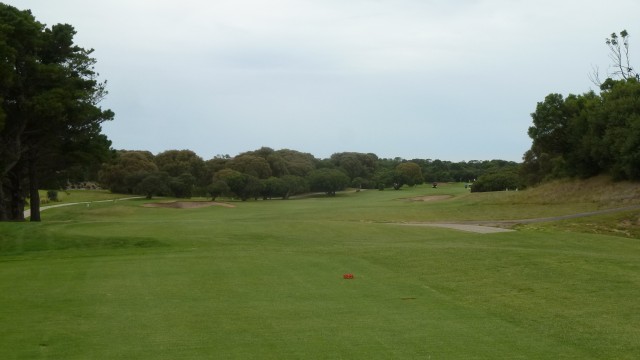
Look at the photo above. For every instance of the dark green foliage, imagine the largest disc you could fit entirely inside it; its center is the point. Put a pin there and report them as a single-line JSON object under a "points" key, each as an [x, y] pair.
{"points": [[52, 195], [240, 185], [152, 184], [253, 165], [182, 186], [409, 173], [328, 181], [505, 179], [295, 162], [49, 118], [294, 185], [252, 188], [218, 188], [383, 178], [283, 187], [179, 162], [355, 165], [585, 135], [273, 187], [590, 134], [123, 173]]}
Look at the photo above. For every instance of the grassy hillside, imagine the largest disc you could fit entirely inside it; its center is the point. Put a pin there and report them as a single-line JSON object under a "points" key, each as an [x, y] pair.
{"points": [[263, 280], [587, 195]]}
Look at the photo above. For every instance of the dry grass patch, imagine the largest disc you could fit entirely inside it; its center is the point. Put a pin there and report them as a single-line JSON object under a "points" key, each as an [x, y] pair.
{"points": [[600, 190]]}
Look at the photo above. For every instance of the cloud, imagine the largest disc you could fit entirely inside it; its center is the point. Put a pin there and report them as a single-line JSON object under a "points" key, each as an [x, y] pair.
{"points": [[413, 78]]}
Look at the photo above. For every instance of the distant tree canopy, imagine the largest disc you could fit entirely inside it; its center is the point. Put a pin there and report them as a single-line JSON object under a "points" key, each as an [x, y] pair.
{"points": [[266, 173], [50, 129]]}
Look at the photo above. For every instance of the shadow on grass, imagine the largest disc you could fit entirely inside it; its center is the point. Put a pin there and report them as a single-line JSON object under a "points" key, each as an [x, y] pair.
{"points": [[22, 246]]}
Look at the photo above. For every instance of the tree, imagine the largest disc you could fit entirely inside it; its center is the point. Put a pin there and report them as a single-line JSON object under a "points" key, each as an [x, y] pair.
{"points": [[152, 184], [283, 187], [241, 185], [178, 162], [297, 163], [355, 165], [273, 186], [383, 178], [585, 135], [235, 180], [619, 54], [328, 181], [182, 186], [117, 174], [218, 188], [50, 97], [251, 165], [620, 119], [550, 138], [410, 173], [253, 188], [293, 185], [505, 178]]}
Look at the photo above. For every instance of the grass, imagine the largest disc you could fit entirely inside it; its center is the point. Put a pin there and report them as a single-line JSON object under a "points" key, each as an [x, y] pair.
{"points": [[264, 280]]}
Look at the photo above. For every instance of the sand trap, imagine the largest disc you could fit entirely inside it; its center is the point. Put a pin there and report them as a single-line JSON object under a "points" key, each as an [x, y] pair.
{"points": [[187, 204], [431, 198]]}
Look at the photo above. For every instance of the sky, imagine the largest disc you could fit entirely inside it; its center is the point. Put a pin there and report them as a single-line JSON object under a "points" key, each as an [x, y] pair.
{"points": [[427, 79]]}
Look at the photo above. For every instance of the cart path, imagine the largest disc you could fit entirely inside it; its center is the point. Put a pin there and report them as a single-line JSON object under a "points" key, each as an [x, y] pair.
{"points": [[27, 213], [496, 226]]}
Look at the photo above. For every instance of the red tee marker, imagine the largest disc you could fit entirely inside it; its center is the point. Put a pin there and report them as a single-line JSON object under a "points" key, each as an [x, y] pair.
{"points": [[348, 276]]}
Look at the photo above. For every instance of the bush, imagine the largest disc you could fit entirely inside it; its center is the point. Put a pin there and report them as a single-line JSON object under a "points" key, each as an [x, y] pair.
{"points": [[52, 195], [498, 181]]}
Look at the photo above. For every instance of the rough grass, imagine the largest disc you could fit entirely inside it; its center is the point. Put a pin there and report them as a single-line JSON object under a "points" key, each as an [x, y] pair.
{"points": [[264, 280]]}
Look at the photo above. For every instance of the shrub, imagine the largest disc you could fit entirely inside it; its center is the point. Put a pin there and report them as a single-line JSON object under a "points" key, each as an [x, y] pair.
{"points": [[52, 195]]}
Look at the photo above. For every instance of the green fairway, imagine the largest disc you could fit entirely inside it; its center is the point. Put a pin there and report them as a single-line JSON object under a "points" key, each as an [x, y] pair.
{"points": [[264, 280]]}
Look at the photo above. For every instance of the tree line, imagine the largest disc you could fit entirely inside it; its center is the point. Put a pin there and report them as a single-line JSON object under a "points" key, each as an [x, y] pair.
{"points": [[267, 173], [592, 133]]}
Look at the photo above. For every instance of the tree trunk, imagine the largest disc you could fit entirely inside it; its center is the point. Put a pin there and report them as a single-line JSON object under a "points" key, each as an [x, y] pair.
{"points": [[34, 195], [4, 213], [16, 202]]}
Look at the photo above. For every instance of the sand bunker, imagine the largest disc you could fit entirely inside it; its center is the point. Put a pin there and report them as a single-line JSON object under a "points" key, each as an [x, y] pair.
{"points": [[431, 198], [187, 204]]}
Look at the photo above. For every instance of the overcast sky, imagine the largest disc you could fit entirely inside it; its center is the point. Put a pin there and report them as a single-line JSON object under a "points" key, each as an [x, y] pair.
{"points": [[449, 80]]}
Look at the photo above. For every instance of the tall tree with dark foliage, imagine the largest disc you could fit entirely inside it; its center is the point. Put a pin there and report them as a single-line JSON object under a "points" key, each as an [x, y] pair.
{"points": [[50, 120]]}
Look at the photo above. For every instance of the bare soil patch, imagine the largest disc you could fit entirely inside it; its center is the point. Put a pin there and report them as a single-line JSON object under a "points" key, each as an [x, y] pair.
{"points": [[431, 198], [187, 204]]}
